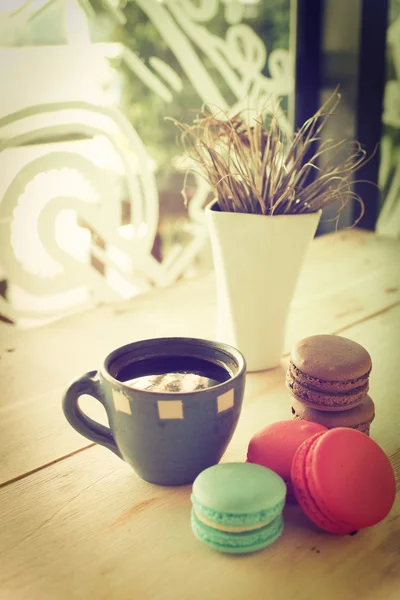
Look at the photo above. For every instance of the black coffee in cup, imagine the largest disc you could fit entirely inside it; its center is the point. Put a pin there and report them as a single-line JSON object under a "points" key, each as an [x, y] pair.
{"points": [[173, 374]]}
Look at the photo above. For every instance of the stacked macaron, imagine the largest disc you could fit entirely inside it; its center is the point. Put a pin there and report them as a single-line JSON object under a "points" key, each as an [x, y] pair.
{"points": [[328, 379], [237, 507]]}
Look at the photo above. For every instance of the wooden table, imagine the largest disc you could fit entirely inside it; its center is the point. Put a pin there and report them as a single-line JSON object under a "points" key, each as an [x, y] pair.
{"points": [[77, 522]]}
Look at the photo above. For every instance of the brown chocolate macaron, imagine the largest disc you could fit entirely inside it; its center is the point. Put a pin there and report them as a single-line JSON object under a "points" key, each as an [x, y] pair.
{"points": [[329, 372], [359, 417]]}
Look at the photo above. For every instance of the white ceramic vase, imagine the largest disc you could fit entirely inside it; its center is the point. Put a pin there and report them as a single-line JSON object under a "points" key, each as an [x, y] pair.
{"points": [[257, 261]]}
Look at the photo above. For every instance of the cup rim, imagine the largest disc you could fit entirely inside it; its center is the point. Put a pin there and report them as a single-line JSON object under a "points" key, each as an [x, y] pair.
{"points": [[192, 342]]}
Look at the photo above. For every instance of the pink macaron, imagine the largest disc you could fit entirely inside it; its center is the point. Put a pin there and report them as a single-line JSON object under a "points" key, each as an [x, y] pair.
{"points": [[343, 480], [275, 446]]}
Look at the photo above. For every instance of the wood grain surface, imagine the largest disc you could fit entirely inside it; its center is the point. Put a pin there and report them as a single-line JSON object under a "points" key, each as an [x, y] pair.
{"points": [[77, 522]]}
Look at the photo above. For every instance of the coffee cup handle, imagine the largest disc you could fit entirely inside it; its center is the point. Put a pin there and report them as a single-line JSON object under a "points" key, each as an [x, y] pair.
{"points": [[87, 384]]}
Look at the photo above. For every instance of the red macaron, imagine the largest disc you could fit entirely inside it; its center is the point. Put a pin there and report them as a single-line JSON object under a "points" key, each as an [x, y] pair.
{"points": [[275, 446], [343, 480]]}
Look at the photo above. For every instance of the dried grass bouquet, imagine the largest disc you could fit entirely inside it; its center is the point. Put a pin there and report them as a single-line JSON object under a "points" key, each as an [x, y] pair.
{"points": [[253, 167]]}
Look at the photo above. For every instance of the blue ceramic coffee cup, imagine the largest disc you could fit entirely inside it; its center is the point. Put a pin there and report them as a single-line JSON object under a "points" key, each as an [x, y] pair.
{"points": [[172, 405]]}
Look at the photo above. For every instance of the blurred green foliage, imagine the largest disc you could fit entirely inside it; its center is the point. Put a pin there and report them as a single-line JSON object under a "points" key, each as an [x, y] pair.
{"points": [[147, 111]]}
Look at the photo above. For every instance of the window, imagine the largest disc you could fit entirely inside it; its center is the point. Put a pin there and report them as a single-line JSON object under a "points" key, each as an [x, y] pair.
{"points": [[91, 204]]}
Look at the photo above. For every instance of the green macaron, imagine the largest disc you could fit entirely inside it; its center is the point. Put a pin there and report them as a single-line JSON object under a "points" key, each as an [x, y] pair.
{"points": [[237, 507]]}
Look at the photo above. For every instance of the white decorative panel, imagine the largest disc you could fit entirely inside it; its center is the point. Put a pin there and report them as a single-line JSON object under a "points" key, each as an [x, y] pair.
{"points": [[64, 243], [170, 409], [121, 402], [226, 401]]}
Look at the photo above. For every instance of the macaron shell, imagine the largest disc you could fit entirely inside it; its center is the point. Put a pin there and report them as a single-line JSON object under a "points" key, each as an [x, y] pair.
{"points": [[237, 543], [303, 495], [275, 446], [363, 427], [331, 357], [349, 476], [359, 417], [238, 489]]}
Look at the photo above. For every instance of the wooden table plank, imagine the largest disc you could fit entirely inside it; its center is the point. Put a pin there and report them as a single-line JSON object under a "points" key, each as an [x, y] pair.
{"points": [[333, 293], [88, 527]]}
